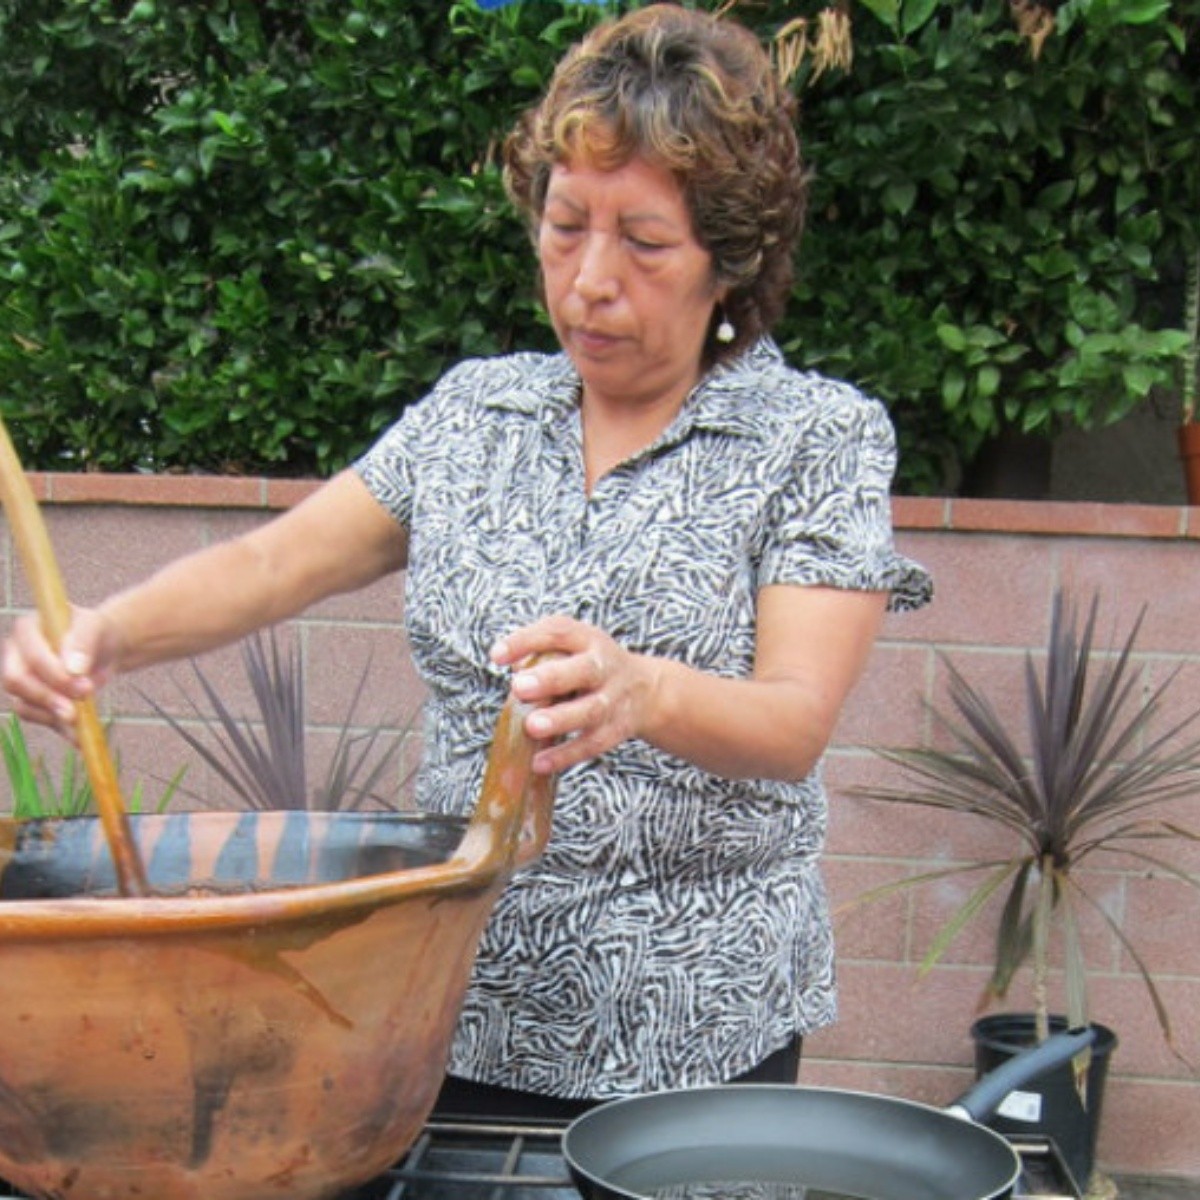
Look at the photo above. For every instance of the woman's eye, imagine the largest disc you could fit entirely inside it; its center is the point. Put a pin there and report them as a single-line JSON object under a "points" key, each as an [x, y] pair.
{"points": [[642, 245]]}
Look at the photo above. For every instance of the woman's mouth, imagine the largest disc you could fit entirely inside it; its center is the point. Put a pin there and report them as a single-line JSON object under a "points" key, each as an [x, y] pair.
{"points": [[594, 341]]}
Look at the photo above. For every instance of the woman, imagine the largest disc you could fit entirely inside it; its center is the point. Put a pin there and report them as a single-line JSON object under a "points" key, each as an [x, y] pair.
{"points": [[701, 536]]}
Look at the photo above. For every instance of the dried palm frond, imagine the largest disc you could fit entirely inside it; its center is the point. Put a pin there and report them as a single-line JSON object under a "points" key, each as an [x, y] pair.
{"points": [[833, 46], [826, 41], [1035, 23]]}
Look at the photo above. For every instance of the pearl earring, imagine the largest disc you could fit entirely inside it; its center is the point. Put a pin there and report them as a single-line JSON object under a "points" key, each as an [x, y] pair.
{"points": [[725, 331]]}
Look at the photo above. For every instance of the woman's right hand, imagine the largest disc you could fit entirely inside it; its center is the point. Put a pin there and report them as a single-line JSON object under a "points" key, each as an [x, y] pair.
{"points": [[45, 684]]}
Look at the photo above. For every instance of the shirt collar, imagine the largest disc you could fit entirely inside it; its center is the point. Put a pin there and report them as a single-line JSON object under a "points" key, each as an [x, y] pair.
{"points": [[724, 401], [728, 399]]}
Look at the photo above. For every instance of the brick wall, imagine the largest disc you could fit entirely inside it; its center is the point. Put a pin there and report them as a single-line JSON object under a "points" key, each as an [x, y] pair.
{"points": [[996, 565]]}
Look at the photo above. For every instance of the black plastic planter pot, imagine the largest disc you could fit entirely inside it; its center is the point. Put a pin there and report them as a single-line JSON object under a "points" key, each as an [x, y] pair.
{"points": [[1049, 1105]]}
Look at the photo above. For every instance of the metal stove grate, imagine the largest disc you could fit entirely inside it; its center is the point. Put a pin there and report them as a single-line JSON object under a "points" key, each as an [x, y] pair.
{"points": [[465, 1160], [483, 1160], [479, 1160], [1044, 1173]]}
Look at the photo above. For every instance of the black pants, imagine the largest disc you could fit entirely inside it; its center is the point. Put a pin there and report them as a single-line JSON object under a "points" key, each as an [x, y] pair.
{"points": [[462, 1098]]}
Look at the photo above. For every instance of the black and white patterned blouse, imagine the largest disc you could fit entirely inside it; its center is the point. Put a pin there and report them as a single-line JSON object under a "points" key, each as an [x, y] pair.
{"points": [[675, 932]]}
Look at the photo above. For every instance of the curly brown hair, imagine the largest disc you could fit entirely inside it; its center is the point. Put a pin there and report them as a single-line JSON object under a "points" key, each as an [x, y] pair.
{"points": [[697, 95]]}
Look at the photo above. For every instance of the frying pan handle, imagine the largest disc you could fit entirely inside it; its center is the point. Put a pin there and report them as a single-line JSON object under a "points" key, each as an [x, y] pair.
{"points": [[989, 1092]]}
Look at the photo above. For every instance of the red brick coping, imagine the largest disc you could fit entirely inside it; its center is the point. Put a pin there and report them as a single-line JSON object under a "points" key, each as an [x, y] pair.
{"points": [[911, 512]]}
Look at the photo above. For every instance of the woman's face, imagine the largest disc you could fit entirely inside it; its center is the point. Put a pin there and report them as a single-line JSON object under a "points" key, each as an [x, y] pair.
{"points": [[629, 289]]}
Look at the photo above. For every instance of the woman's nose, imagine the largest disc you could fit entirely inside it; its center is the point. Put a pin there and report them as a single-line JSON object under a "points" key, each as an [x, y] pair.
{"points": [[598, 277]]}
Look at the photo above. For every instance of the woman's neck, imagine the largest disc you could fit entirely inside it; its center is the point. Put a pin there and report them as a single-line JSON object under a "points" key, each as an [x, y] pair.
{"points": [[614, 430]]}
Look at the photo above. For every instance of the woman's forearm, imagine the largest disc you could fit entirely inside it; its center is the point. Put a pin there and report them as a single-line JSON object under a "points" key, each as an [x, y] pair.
{"points": [[337, 540], [737, 728], [200, 602]]}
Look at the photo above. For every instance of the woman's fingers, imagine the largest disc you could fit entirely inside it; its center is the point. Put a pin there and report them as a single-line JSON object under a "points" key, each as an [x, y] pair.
{"points": [[40, 686], [43, 683], [555, 635], [586, 689]]}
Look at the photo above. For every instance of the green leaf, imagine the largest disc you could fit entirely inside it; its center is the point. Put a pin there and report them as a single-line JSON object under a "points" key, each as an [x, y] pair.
{"points": [[915, 14], [900, 196], [888, 11], [987, 381], [1140, 378], [1141, 12], [210, 139], [954, 386], [1058, 195], [34, 792], [952, 337]]}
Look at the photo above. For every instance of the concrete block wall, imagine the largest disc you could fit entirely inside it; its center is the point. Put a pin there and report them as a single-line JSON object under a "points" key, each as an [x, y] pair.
{"points": [[996, 565]]}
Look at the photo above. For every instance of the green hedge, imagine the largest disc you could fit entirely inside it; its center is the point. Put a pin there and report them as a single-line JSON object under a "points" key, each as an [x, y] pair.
{"points": [[242, 235], [995, 236]]}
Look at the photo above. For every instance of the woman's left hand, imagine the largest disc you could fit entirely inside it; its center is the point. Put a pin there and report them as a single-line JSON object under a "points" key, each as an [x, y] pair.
{"points": [[590, 691]]}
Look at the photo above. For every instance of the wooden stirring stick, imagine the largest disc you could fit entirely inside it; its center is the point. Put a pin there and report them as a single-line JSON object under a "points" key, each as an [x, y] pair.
{"points": [[33, 545]]}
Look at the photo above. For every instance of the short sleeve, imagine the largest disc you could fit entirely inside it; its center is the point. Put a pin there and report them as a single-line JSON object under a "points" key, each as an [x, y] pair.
{"points": [[387, 468], [390, 467], [831, 524]]}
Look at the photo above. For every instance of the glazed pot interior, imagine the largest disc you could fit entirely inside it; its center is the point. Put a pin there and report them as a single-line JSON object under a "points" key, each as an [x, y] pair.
{"points": [[219, 853]]}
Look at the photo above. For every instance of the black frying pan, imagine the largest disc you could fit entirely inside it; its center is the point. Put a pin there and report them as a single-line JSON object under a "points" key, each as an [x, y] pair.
{"points": [[780, 1142]]}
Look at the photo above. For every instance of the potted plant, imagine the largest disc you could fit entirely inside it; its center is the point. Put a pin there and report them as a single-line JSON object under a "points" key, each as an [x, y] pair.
{"points": [[263, 760], [35, 793], [1087, 787]]}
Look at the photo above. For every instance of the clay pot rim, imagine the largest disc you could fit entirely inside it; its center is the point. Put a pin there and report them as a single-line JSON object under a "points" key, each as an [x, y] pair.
{"points": [[118, 916]]}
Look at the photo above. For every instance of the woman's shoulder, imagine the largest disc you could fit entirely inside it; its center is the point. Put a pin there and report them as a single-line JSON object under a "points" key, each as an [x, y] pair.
{"points": [[777, 391], [505, 380], [489, 390], [472, 403]]}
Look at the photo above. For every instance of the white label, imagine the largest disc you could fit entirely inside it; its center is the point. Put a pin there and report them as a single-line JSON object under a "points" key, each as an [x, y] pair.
{"points": [[1021, 1106]]}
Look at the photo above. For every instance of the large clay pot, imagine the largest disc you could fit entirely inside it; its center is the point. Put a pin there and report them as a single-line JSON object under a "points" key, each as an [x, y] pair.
{"points": [[274, 1021]]}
